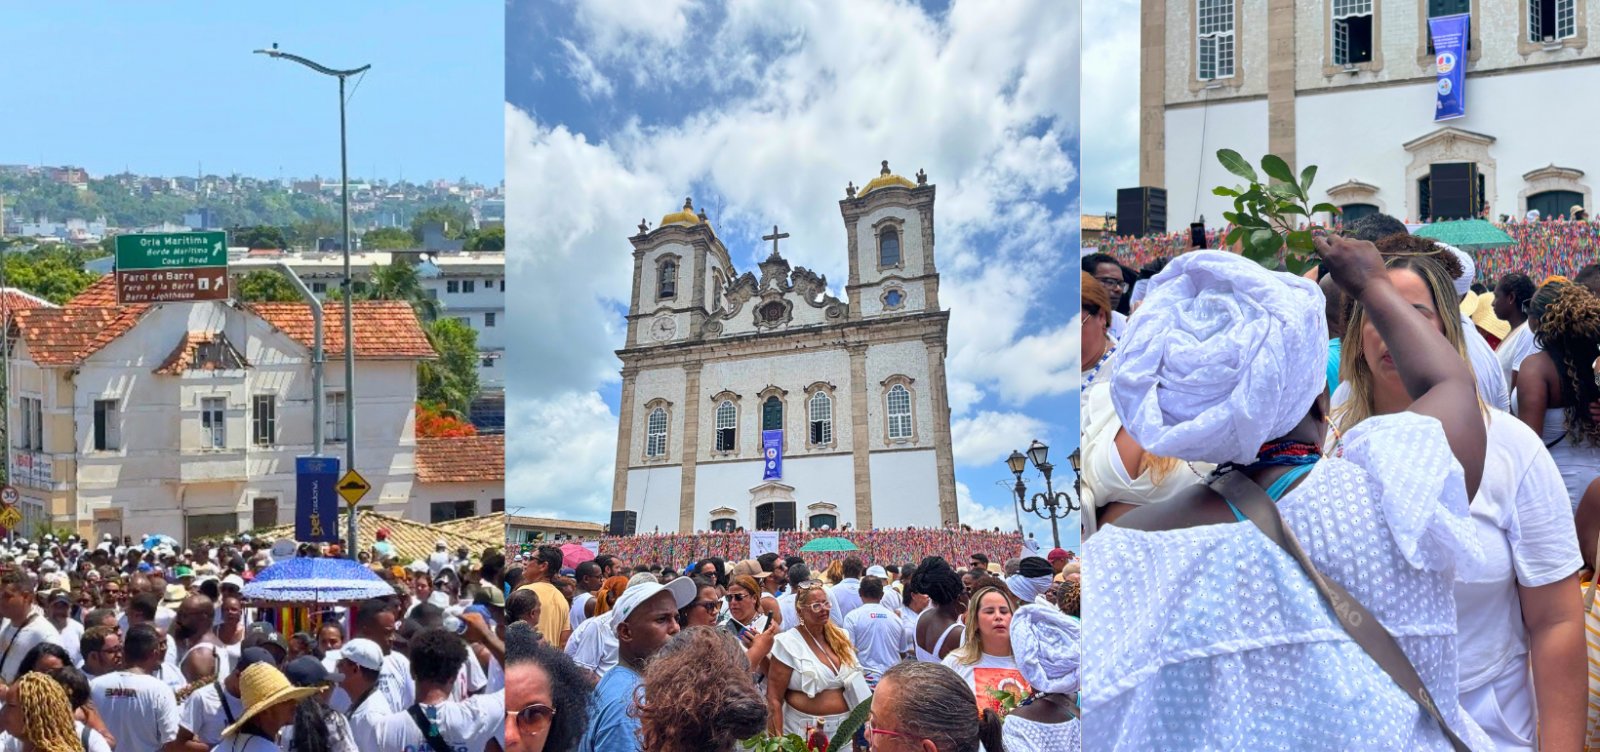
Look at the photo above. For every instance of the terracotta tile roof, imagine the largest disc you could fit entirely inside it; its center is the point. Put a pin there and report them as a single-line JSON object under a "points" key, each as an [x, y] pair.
{"points": [[466, 459], [21, 300], [65, 336], [99, 294], [550, 523], [413, 540], [183, 356], [383, 328]]}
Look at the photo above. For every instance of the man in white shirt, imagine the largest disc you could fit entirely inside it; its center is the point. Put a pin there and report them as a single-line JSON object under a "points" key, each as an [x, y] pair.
{"points": [[891, 596], [25, 624], [375, 621], [360, 662], [437, 656], [59, 605], [216, 706], [139, 709], [846, 594], [439, 559], [588, 580], [876, 632]]}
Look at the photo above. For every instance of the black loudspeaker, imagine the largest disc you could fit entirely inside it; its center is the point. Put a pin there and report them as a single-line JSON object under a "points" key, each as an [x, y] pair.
{"points": [[1141, 211], [1453, 191], [623, 523], [783, 515]]}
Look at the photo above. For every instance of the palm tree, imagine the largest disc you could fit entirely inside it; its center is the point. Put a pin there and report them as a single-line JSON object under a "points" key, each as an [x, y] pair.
{"points": [[399, 281]]}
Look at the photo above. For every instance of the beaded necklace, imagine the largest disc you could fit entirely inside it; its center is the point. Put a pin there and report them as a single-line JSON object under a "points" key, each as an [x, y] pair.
{"points": [[1287, 453], [1111, 347]]}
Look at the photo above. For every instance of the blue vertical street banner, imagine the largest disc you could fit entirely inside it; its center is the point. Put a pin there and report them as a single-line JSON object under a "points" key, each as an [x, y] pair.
{"points": [[1450, 57], [316, 503], [772, 453]]}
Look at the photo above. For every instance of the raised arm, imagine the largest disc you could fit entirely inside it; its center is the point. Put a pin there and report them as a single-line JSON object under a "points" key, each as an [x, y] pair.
{"points": [[1434, 373]]}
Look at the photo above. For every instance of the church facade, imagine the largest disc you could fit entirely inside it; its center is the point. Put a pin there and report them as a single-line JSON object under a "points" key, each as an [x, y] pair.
{"points": [[856, 388]]}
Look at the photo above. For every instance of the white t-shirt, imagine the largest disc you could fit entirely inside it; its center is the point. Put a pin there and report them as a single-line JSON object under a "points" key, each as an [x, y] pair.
{"points": [[1119, 324], [71, 636], [1486, 366], [1514, 349], [1003, 664], [1523, 520], [204, 716], [364, 720], [466, 726], [847, 596], [394, 683], [593, 645], [437, 561], [878, 636], [245, 743], [15, 644], [164, 617], [139, 710], [95, 742], [576, 615]]}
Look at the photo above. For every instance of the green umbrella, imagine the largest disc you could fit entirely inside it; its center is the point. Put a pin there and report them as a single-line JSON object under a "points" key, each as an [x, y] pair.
{"points": [[828, 544], [1466, 234]]}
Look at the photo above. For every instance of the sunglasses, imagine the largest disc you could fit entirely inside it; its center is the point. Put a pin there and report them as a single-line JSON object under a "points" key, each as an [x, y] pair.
{"points": [[737, 597], [535, 717], [709, 606]]}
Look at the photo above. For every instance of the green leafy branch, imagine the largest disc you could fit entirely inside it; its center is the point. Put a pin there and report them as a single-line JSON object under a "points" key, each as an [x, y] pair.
{"points": [[1266, 217]]}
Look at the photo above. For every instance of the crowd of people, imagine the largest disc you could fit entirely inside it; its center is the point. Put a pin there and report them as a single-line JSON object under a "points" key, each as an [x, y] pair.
{"points": [[879, 544], [1273, 463], [151, 647], [615, 655]]}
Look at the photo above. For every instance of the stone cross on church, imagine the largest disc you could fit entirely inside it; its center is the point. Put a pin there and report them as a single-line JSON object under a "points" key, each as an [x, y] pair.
{"points": [[775, 237]]}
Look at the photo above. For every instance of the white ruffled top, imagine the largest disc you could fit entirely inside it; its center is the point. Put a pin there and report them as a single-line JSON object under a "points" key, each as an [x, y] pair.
{"points": [[810, 674], [1212, 637]]}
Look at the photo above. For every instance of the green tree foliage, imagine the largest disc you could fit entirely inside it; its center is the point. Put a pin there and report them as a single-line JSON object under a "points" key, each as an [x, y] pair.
{"points": [[452, 380], [258, 236], [265, 286], [455, 218], [387, 239], [305, 234], [487, 239], [398, 280], [52, 272]]}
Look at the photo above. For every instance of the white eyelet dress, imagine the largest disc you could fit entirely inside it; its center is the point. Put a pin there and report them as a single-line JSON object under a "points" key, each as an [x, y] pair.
{"points": [[1213, 638]]}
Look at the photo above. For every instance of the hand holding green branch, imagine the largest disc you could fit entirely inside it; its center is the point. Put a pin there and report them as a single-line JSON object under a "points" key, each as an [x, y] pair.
{"points": [[1266, 218]]}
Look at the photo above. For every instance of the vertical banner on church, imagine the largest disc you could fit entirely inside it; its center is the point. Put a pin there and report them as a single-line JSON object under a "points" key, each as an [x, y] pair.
{"points": [[1450, 57], [772, 451], [763, 542]]}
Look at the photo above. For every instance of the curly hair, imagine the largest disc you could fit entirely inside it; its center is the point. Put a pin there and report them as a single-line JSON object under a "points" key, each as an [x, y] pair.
{"points": [[698, 695], [936, 579], [571, 689], [1569, 331], [1069, 597], [46, 713]]}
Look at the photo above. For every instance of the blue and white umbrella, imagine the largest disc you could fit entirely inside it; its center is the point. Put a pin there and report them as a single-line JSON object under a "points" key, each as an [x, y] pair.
{"points": [[152, 542], [315, 580]]}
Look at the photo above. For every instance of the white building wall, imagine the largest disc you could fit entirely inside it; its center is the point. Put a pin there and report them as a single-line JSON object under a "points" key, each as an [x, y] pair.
{"points": [[905, 489], [1194, 134], [658, 383], [793, 373], [829, 479], [425, 495], [653, 493], [908, 359]]}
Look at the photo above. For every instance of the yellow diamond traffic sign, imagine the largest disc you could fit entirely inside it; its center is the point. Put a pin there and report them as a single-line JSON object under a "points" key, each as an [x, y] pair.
{"points": [[352, 487], [10, 516]]}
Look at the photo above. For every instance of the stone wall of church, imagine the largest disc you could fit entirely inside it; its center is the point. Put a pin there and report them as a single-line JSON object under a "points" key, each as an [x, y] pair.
{"points": [[908, 221], [646, 291], [748, 381], [899, 359], [653, 493], [664, 384]]}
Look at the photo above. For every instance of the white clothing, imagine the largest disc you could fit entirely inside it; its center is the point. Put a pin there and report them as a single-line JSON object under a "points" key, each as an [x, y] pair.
{"points": [[908, 630], [437, 561], [394, 683], [364, 720], [95, 742], [1578, 464], [1014, 684], [578, 603], [1023, 734], [245, 743], [464, 725], [938, 645], [1515, 348], [1523, 524], [809, 675], [1504, 708], [891, 600], [163, 621], [1119, 324], [786, 608], [1486, 367], [470, 680], [878, 636], [847, 596], [1106, 479], [203, 713], [593, 645], [1219, 611], [17, 639], [139, 710], [71, 636]]}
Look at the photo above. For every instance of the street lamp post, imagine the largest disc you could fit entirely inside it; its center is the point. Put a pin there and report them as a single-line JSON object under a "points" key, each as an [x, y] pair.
{"points": [[1048, 504], [349, 326]]}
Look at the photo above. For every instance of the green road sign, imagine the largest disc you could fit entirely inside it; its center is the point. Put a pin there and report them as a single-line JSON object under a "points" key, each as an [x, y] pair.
{"points": [[172, 250]]}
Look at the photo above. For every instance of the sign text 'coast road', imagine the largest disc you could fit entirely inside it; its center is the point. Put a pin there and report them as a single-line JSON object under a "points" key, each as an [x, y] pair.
{"points": [[172, 267]]}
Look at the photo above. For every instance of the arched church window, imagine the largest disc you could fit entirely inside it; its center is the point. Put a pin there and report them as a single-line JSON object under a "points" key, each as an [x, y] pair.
{"points": [[727, 426], [667, 283], [656, 433], [889, 247], [899, 412], [821, 419], [772, 414]]}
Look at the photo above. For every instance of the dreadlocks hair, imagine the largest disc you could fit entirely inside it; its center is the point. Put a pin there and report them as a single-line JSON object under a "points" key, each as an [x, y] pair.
{"points": [[935, 579], [1569, 331], [46, 713]]}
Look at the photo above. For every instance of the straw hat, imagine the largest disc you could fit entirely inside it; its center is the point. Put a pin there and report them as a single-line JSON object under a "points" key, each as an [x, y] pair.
{"points": [[262, 686], [1480, 308]]}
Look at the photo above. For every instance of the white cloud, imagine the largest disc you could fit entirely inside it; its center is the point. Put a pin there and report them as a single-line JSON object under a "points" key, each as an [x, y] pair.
{"points": [[618, 22], [591, 82], [990, 437], [564, 468], [1111, 86], [980, 516]]}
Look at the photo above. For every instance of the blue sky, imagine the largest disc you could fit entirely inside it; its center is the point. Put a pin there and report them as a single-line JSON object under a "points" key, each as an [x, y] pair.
{"points": [[762, 111], [165, 88]]}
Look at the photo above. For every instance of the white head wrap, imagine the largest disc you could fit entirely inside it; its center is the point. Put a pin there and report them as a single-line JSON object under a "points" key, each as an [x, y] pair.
{"points": [[1469, 270], [1048, 649], [1222, 356]]}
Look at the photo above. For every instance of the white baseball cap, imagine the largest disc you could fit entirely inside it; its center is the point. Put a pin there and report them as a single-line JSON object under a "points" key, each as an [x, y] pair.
{"points": [[683, 592], [877, 571], [363, 653]]}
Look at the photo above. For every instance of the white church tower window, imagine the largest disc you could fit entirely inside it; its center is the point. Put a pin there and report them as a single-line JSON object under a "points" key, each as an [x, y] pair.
{"points": [[656, 433], [821, 419], [727, 426], [899, 399]]}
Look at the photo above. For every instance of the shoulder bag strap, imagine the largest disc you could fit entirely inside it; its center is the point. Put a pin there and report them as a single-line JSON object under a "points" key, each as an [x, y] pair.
{"points": [[223, 698], [429, 731], [1361, 625]]}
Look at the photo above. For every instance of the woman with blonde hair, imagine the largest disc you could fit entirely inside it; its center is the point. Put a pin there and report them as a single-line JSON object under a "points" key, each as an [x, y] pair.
{"points": [[813, 669], [1519, 617], [985, 659], [39, 715]]}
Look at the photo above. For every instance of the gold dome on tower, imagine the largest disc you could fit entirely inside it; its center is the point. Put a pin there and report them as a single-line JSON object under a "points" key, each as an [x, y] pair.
{"points": [[684, 217], [885, 178]]}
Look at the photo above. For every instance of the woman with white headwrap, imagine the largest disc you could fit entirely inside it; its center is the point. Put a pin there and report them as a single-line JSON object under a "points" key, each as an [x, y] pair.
{"points": [[1226, 363], [1048, 651], [1518, 606]]}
